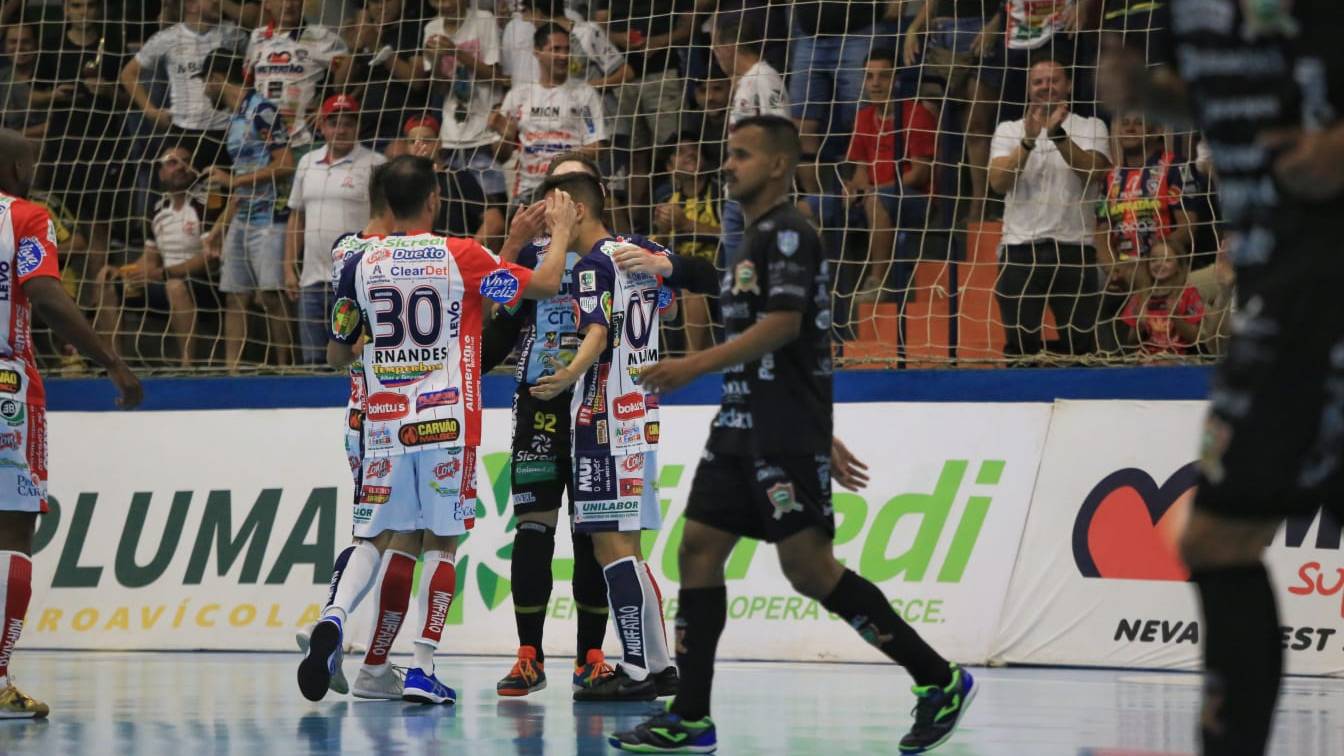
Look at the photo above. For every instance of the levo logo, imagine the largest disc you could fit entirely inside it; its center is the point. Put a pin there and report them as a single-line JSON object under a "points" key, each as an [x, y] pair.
{"points": [[1128, 525]]}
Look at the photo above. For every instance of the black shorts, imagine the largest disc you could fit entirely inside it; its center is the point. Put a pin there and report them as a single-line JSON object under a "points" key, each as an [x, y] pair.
{"points": [[768, 498], [1273, 442], [541, 470]]}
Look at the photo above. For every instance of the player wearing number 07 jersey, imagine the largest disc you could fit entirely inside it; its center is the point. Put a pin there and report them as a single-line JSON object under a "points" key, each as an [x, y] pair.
{"points": [[415, 302], [615, 434]]}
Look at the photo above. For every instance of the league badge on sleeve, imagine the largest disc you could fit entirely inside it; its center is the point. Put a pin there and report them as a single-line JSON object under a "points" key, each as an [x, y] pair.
{"points": [[787, 241], [500, 286], [588, 304], [744, 278], [587, 281], [344, 318]]}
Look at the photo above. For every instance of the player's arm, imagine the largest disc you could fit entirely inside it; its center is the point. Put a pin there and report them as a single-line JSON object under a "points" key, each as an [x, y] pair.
{"points": [[594, 343], [768, 334], [347, 320], [527, 224], [562, 217], [688, 273], [60, 313]]}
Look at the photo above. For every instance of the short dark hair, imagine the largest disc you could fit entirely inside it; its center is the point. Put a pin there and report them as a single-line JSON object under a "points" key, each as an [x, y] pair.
{"points": [[224, 60], [549, 8], [781, 135], [584, 188], [544, 32], [1047, 56], [883, 52], [408, 181], [377, 190], [575, 157], [741, 28]]}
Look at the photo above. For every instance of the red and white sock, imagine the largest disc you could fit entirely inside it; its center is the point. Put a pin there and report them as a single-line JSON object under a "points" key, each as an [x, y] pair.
{"points": [[657, 653], [394, 597], [16, 588], [438, 582]]}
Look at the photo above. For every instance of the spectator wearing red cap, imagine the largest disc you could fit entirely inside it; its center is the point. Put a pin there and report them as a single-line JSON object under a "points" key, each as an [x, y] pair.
{"points": [[330, 197]]}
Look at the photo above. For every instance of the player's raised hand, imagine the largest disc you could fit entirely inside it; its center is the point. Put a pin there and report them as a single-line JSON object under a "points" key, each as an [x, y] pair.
{"points": [[528, 223], [846, 469], [551, 386], [562, 215], [129, 391], [633, 258]]}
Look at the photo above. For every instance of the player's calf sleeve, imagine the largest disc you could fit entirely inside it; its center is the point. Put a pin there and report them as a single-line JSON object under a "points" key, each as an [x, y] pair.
{"points": [[654, 630], [394, 596], [1243, 659], [866, 609], [354, 581], [627, 598], [16, 588], [438, 582], [337, 570], [590, 597], [530, 571], [701, 616]]}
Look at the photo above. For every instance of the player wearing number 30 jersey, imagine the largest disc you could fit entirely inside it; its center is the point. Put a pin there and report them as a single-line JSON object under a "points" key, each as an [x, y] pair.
{"points": [[416, 301]]}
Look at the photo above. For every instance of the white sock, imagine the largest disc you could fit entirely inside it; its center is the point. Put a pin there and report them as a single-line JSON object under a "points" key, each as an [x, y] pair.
{"points": [[424, 657], [655, 631], [354, 582], [629, 599]]}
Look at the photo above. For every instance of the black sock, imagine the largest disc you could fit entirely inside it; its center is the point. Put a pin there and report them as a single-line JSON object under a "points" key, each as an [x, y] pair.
{"points": [[1243, 659], [701, 615], [590, 598], [530, 571], [866, 610]]}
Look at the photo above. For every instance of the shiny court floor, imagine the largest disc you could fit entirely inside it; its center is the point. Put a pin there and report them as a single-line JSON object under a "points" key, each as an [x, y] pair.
{"points": [[198, 704]]}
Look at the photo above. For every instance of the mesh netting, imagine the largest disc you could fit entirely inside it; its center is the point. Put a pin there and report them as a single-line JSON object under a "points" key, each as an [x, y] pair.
{"points": [[979, 204]]}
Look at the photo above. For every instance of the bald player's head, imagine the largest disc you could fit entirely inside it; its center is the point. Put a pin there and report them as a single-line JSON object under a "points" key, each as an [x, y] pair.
{"points": [[763, 153], [17, 162]]}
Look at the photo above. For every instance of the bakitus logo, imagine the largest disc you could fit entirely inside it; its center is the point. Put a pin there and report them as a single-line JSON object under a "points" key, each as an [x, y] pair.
{"points": [[385, 406], [629, 406], [1128, 526]]}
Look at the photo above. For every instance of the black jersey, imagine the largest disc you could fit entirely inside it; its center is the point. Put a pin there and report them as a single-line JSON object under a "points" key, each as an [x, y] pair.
{"points": [[781, 403]]}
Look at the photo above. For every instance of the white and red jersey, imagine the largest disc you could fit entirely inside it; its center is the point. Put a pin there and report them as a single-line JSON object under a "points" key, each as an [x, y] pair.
{"points": [[289, 66], [27, 250], [420, 299], [345, 246], [551, 120]]}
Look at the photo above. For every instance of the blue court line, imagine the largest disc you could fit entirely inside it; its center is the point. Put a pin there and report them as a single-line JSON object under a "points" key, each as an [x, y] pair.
{"points": [[1003, 385]]}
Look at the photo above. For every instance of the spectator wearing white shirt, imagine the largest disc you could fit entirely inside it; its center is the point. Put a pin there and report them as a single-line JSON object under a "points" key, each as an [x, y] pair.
{"points": [[738, 45], [1049, 165], [554, 115], [290, 60], [191, 119], [462, 60], [172, 274], [330, 197]]}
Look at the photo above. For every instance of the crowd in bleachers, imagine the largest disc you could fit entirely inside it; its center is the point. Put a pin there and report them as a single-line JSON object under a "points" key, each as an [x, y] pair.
{"points": [[201, 156]]}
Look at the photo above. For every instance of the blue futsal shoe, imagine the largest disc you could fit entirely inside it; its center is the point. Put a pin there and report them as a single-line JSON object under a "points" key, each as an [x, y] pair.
{"points": [[426, 689], [323, 660]]}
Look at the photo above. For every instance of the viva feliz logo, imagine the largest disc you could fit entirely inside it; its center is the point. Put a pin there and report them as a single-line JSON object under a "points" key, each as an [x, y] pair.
{"points": [[1127, 529], [250, 544]]}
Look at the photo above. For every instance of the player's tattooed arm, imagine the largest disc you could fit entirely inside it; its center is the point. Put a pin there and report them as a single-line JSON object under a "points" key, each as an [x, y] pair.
{"points": [[689, 273], [594, 342]]}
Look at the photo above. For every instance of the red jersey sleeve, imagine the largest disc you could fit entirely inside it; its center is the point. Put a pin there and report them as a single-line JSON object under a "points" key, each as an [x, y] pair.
{"points": [[34, 241], [486, 275], [863, 145]]}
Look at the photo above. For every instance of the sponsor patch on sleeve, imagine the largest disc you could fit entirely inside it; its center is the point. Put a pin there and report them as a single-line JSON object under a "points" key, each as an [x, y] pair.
{"points": [[500, 286], [587, 281], [31, 254], [344, 318]]}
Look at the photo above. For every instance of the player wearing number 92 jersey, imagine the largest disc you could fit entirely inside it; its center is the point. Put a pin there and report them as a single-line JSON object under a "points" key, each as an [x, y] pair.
{"points": [[420, 299]]}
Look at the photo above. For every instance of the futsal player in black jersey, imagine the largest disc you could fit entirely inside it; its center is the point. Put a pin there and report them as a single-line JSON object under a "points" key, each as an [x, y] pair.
{"points": [[766, 469], [1264, 82]]}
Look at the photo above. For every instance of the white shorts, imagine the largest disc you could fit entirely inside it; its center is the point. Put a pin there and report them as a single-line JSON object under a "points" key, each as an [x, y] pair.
{"points": [[614, 493], [432, 490], [23, 444]]}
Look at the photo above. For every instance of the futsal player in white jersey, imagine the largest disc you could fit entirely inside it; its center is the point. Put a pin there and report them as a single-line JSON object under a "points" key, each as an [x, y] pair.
{"points": [[419, 299], [615, 434]]}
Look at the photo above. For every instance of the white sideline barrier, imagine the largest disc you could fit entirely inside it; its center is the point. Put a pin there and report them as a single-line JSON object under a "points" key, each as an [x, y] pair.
{"points": [[1097, 581], [154, 506]]}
